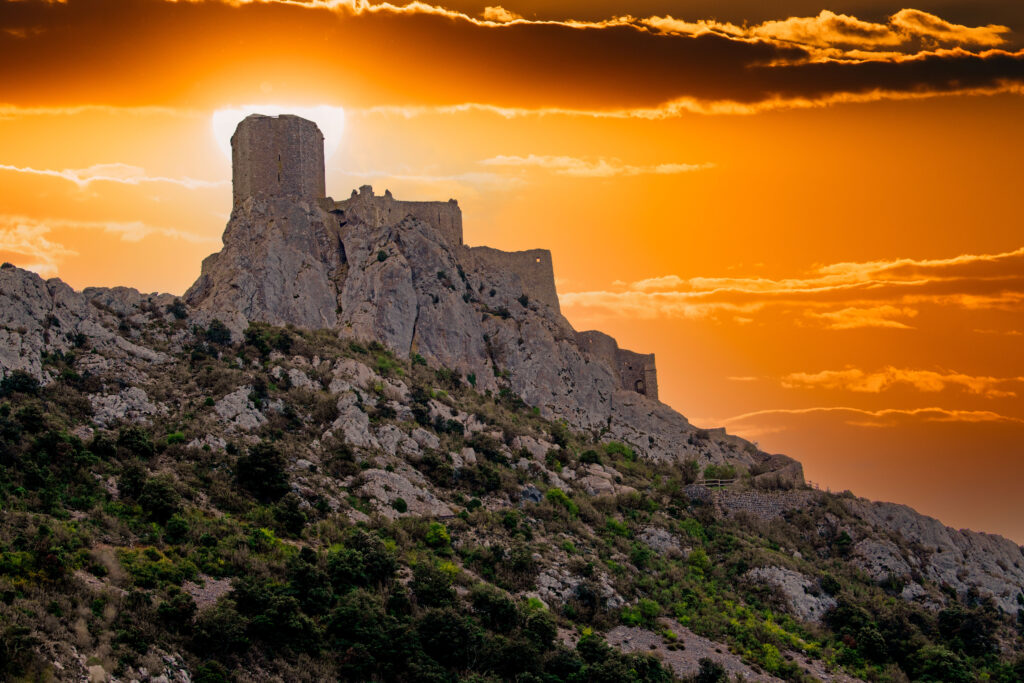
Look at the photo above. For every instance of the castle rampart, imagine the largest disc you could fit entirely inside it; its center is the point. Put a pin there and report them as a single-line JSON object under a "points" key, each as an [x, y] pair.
{"points": [[636, 371], [277, 157], [534, 268], [283, 157], [376, 210]]}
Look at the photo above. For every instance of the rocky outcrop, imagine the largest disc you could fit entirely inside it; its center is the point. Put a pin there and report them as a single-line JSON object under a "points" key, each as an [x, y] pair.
{"points": [[803, 595], [39, 317], [960, 559], [279, 265]]}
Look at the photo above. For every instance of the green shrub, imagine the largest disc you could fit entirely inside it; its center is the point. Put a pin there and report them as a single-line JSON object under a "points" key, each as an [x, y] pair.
{"points": [[719, 472], [644, 613], [136, 441], [617, 448], [175, 437], [289, 515], [558, 497], [400, 505], [432, 585], [437, 535], [262, 472], [149, 568], [689, 471], [177, 309], [20, 382], [176, 529], [159, 499], [218, 333]]}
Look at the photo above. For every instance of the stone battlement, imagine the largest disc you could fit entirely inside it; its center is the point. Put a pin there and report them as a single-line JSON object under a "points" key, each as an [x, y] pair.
{"points": [[636, 371], [534, 268], [277, 157], [373, 209]]}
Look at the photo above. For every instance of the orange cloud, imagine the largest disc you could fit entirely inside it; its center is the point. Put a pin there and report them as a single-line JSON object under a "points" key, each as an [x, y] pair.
{"points": [[597, 168], [842, 35], [841, 296], [500, 15], [876, 316], [434, 57], [27, 239], [113, 173], [857, 380], [922, 24], [882, 417]]}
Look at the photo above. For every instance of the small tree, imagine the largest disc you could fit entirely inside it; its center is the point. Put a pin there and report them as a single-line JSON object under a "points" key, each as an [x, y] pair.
{"points": [[262, 472], [218, 333], [159, 499]]}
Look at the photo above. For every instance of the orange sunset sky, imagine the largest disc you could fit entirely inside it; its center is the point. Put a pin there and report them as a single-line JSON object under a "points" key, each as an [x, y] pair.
{"points": [[812, 213]]}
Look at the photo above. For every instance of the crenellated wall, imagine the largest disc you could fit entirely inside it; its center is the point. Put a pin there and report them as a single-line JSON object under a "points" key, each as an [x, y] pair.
{"points": [[277, 157], [636, 371], [372, 209], [534, 268]]}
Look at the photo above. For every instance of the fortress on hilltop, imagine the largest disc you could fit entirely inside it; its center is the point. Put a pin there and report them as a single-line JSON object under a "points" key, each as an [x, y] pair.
{"points": [[282, 157]]}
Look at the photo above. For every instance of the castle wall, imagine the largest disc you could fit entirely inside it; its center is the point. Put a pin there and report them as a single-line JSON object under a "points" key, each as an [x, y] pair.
{"points": [[375, 210], [601, 345], [277, 156], [534, 268], [636, 371]]}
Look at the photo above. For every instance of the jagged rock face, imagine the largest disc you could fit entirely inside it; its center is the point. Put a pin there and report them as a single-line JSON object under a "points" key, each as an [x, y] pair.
{"points": [[406, 286], [958, 558], [38, 316], [280, 264]]}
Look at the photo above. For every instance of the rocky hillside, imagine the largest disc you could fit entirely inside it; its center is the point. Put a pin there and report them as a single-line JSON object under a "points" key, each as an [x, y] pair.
{"points": [[357, 449], [184, 502]]}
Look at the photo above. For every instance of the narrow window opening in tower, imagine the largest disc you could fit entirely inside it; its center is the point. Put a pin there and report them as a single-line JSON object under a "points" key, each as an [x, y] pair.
{"points": [[640, 388], [538, 259], [278, 169]]}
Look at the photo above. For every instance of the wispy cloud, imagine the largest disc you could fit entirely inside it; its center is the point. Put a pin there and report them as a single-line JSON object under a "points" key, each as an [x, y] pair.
{"points": [[825, 29], [28, 240], [681, 106], [14, 111], [876, 316], [857, 380], [591, 168], [886, 294], [112, 173], [832, 35], [882, 417]]}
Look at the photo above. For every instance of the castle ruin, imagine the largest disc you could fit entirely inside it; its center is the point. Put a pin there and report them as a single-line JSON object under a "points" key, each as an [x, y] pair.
{"points": [[282, 157], [636, 371], [277, 157]]}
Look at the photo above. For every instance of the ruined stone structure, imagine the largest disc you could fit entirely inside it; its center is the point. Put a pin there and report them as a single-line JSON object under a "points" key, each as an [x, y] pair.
{"points": [[371, 209], [282, 157], [533, 267], [636, 371], [277, 157]]}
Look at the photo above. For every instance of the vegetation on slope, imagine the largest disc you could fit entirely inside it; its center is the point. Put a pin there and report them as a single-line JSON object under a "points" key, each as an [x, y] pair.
{"points": [[108, 535]]}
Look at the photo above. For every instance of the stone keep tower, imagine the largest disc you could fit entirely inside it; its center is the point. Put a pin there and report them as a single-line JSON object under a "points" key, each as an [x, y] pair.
{"points": [[277, 156]]}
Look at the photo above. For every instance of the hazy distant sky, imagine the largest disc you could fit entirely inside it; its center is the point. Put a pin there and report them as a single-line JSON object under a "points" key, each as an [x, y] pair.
{"points": [[811, 213]]}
